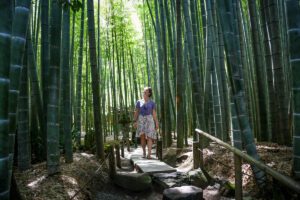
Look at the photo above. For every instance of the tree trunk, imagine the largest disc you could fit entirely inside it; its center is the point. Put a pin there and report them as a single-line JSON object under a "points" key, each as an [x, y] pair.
{"points": [[53, 154], [197, 92], [23, 137], [66, 87], [232, 49], [180, 80], [5, 40], [95, 81], [293, 16], [79, 79]]}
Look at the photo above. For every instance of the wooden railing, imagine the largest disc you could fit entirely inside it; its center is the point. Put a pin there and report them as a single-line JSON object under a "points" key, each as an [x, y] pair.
{"points": [[114, 155], [238, 156]]}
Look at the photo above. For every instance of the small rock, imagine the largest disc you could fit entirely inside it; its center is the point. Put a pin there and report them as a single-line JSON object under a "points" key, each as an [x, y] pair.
{"points": [[133, 181], [212, 192], [168, 180], [199, 178], [107, 196], [183, 193], [227, 189]]}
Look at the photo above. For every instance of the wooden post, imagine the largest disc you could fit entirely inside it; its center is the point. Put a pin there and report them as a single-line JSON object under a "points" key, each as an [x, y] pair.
{"points": [[201, 147], [122, 148], [238, 177], [118, 158], [128, 144], [196, 155], [134, 139], [159, 149], [112, 163]]}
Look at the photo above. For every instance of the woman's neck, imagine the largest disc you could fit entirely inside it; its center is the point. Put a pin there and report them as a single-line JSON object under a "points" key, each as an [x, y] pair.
{"points": [[146, 99]]}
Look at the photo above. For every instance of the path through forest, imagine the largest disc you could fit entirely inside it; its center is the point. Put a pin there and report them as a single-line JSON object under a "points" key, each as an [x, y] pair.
{"points": [[86, 178]]}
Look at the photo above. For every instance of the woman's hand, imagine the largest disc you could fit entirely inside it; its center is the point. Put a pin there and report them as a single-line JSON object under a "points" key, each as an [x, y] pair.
{"points": [[156, 125], [135, 125], [155, 119]]}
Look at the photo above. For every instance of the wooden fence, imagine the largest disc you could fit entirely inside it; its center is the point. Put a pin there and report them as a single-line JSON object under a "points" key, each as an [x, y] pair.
{"points": [[238, 156]]}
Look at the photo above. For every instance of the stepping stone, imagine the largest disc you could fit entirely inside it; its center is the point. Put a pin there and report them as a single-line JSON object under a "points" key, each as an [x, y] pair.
{"points": [[168, 180], [133, 181], [153, 166], [199, 178], [149, 166], [183, 193]]}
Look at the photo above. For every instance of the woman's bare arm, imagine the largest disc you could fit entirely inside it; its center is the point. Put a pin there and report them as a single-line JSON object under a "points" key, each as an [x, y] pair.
{"points": [[136, 114], [155, 118], [135, 117]]}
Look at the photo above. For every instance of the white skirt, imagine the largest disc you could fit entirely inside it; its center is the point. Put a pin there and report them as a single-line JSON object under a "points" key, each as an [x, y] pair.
{"points": [[146, 125]]}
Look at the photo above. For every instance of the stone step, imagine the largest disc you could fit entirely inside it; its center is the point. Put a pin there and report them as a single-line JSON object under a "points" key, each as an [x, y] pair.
{"points": [[153, 166], [183, 193], [149, 166]]}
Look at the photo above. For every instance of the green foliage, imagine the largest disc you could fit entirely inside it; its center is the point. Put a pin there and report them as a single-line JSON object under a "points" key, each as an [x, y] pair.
{"points": [[110, 143], [89, 141], [75, 5]]}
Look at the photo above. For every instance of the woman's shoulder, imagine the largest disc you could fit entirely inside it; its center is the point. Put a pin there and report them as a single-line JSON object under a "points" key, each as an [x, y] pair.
{"points": [[138, 102], [152, 102]]}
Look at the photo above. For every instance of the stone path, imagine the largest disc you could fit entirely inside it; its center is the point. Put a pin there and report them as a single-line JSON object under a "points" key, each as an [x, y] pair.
{"points": [[150, 166]]}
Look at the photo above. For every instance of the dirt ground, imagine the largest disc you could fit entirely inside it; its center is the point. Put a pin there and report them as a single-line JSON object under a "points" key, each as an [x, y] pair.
{"points": [[86, 178], [77, 180], [219, 163]]}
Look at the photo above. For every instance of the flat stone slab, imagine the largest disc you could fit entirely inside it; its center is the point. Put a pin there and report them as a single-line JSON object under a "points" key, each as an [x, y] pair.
{"points": [[133, 181], [168, 180], [153, 166], [150, 166]]}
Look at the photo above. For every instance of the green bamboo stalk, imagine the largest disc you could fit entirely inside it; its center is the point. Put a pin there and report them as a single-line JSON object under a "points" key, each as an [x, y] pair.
{"points": [[45, 59], [24, 150], [168, 138], [37, 103], [53, 153], [87, 104], [72, 57], [95, 81], [18, 40], [180, 79], [232, 47], [5, 41], [196, 86], [260, 71], [293, 17], [66, 86], [79, 79], [221, 70]]}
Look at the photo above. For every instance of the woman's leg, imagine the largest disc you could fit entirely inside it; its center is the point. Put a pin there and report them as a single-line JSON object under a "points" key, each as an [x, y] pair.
{"points": [[143, 143], [149, 144]]}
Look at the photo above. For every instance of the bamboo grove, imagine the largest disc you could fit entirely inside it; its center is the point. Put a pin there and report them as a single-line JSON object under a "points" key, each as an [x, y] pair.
{"points": [[71, 72]]}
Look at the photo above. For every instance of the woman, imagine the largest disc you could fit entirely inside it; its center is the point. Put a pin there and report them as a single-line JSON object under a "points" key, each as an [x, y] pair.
{"points": [[145, 120]]}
